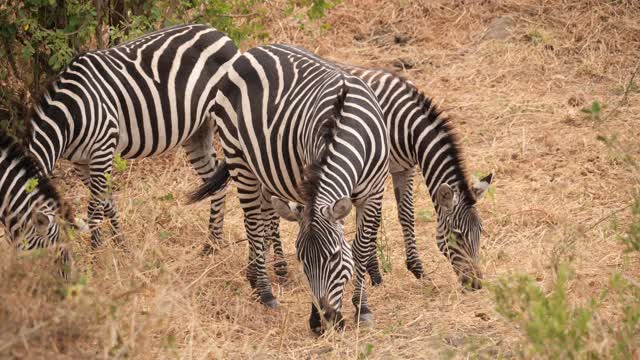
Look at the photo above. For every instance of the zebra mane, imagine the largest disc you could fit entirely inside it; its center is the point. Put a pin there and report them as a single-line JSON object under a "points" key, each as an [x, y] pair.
{"points": [[313, 172], [36, 100], [16, 152], [446, 126]]}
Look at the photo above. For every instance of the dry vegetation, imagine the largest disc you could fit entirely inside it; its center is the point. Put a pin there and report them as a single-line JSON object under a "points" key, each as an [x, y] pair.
{"points": [[516, 104]]}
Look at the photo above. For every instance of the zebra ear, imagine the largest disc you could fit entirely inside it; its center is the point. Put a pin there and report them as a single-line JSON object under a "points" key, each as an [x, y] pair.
{"points": [[444, 196], [80, 225], [285, 210], [340, 209], [481, 186], [41, 222]]}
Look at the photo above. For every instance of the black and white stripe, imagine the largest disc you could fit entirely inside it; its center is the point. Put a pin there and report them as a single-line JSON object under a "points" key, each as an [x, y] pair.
{"points": [[139, 99], [420, 135], [30, 208], [297, 130]]}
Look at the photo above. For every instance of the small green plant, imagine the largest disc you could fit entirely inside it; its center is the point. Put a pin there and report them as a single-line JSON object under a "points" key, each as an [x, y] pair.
{"points": [[594, 112], [424, 215], [119, 164], [535, 37], [366, 352], [164, 234], [553, 328], [167, 197], [31, 185]]}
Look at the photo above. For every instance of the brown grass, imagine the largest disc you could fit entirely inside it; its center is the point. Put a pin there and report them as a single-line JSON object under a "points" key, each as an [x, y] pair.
{"points": [[511, 103]]}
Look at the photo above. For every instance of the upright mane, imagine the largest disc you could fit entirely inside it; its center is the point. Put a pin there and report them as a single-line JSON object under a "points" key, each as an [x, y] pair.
{"points": [[36, 101], [313, 172], [47, 89], [446, 126]]}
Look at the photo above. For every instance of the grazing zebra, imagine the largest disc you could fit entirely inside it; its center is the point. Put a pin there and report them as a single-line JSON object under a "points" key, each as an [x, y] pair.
{"points": [[138, 99], [419, 135], [29, 204], [297, 130]]}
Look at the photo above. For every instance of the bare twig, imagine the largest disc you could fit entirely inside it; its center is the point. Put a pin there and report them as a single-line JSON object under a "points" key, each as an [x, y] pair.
{"points": [[626, 93]]}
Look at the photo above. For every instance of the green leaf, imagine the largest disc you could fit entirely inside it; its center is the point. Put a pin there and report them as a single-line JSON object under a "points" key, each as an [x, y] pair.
{"points": [[424, 215], [164, 235], [167, 197], [31, 185], [120, 164]]}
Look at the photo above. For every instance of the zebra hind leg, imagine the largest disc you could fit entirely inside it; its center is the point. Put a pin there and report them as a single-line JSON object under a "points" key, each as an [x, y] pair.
{"points": [[403, 190], [202, 156]]}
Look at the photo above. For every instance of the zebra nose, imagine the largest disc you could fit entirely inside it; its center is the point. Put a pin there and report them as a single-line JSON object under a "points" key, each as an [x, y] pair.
{"points": [[471, 278], [330, 314]]}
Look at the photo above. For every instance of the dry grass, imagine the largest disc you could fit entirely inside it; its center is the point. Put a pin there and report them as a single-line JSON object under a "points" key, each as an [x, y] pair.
{"points": [[511, 100]]}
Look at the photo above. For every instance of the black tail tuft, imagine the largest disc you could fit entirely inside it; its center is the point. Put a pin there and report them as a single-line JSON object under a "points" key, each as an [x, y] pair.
{"points": [[215, 183]]}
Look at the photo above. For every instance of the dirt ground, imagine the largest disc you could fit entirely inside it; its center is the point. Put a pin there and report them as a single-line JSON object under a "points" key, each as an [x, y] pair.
{"points": [[515, 94]]}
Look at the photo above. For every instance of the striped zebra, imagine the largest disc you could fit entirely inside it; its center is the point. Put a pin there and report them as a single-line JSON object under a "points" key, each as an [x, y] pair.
{"points": [[297, 130], [420, 135], [138, 99], [30, 207]]}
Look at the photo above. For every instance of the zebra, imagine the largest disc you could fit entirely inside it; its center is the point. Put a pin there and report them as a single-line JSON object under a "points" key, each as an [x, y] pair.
{"points": [[306, 140], [421, 135], [30, 207], [138, 99]]}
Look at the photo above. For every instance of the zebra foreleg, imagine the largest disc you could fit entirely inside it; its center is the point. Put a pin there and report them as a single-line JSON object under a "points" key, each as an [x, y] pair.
{"points": [[403, 190], [364, 247], [111, 212], [272, 235], [254, 226]]}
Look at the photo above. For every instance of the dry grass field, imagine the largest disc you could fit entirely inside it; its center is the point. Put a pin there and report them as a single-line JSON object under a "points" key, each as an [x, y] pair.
{"points": [[516, 103]]}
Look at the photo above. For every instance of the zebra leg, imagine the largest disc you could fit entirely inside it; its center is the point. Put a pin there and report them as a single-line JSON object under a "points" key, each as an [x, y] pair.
{"points": [[373, 268], [364, 247], [202, 156], [250, 199], [403, 190], [100, 188], [111, 212], [108, 206], [272, 235]]}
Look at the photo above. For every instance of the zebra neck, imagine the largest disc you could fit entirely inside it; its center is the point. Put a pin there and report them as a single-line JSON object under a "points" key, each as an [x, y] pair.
{"points": [[47, 142], [440, 162]]}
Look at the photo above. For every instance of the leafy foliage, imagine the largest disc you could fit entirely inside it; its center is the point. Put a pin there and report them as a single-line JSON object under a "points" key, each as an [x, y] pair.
{"points": [[38, 38], [31, 185], [594, 111]]}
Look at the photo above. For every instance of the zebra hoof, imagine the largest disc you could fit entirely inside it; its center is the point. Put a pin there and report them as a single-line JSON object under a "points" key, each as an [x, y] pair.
{"points": [[416, 269], [366, 320], [376, 279], [269, 301], [207, 250], [281, 269]]}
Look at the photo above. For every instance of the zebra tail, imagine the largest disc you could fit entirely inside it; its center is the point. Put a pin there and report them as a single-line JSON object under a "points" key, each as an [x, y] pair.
{"points": [[215, 183]]}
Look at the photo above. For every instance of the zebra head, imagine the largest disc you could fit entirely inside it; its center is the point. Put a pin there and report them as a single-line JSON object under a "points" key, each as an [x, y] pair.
{"points": [[459, 228], [324, 254], [40, 229]]}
